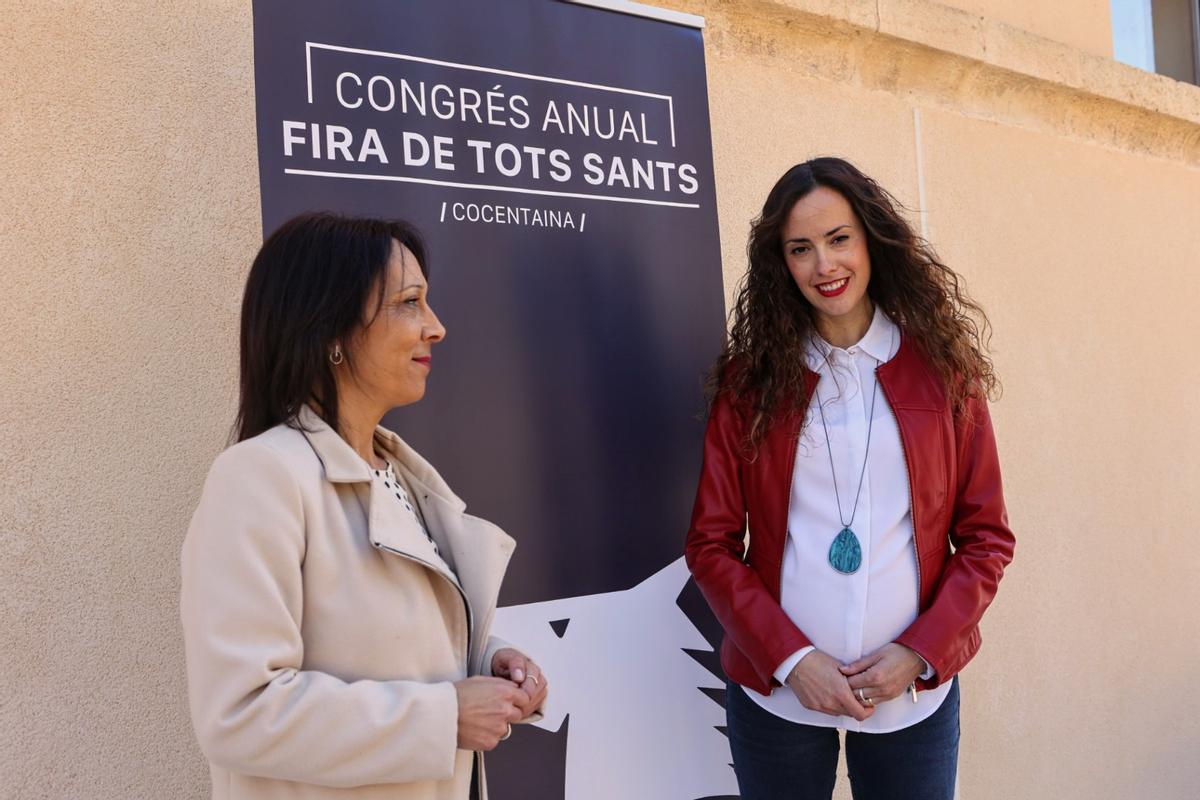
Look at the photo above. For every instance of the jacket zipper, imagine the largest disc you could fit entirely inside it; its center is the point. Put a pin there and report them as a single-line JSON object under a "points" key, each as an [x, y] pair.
{"points": [[786, 527], [792, 478], [912, 687], [791, 481], [457, 588], [911, 504]]}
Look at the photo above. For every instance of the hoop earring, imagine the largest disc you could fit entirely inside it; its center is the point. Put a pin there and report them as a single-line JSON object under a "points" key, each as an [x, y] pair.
{"points": [[336, 356]]}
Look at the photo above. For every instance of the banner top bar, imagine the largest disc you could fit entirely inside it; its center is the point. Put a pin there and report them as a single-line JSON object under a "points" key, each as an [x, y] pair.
{"points": [[643, 10]]}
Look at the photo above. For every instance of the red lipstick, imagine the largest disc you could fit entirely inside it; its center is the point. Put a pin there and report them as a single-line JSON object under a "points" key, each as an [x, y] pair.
{"points": [[826, 293]]}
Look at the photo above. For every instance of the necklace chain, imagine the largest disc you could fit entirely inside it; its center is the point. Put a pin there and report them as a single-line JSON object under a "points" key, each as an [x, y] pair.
{"points": [[829, 448]]}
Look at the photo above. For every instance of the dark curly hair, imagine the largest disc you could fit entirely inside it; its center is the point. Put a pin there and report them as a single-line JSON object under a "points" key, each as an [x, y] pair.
{"points": [[762, 363]]}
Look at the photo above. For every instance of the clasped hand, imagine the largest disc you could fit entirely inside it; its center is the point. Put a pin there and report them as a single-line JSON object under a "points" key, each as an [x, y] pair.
{"points": [[487, 706], [822, 684]]}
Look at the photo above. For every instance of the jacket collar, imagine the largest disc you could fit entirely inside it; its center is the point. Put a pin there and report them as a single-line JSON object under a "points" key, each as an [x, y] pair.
{"points": [[343, 465], [420, 469], [906, 378]]}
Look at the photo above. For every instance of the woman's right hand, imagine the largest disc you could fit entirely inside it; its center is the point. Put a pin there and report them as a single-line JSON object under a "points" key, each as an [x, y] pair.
{"points": [[486, 709], [820, 686]]}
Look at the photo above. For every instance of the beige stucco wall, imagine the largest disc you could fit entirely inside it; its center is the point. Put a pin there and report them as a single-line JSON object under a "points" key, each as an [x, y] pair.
{"points": [[130, 199], [1086, 24], [1064, 187]]}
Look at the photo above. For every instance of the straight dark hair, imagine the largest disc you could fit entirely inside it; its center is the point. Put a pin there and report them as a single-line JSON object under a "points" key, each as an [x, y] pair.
{"points": [[307, 292]]}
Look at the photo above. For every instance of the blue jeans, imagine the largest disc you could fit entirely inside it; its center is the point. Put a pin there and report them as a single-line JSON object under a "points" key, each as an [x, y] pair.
{"points": [[775, 759]]}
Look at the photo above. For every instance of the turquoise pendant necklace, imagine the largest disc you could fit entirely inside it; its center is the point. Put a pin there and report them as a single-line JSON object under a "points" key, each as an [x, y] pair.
{"points": [[845, 554]]}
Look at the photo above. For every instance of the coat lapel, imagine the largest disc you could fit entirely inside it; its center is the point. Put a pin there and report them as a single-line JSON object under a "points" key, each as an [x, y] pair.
{"points": [[390, 526], [908, 381], [477, 551]]}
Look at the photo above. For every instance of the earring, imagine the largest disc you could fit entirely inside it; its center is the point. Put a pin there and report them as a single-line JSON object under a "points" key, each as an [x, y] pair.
{"points": [[336, 356]]}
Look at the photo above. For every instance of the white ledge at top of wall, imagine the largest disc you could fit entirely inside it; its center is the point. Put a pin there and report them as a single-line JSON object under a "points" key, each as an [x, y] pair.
{"points": [[645, 10], [952, 30]]}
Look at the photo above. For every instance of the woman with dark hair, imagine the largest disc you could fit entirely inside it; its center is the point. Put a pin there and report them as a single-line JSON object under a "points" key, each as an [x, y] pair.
{"points": [[849, 528], [336, 599]]}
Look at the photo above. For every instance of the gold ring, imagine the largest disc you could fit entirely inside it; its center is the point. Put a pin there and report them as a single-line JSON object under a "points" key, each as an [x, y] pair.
{"points": [[534, 679], [862, 697], [871, 702]]}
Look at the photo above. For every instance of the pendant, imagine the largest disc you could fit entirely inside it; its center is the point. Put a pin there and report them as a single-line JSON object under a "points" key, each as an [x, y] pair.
{"points": [[845, 554]]}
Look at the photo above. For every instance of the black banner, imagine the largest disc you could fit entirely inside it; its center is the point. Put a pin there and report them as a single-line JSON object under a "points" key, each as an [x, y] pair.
{"points": [[558, 159]]}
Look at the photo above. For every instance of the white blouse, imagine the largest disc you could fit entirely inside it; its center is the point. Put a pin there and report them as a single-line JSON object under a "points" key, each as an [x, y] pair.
{"points": [[849, 616]]}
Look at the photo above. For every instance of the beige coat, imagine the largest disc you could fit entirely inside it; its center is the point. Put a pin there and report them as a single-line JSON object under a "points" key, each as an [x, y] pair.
{"points": [[322, 634]]}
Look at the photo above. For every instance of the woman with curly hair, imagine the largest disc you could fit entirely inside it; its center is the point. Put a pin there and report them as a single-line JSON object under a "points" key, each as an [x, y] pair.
{"points": [[849, 528]]}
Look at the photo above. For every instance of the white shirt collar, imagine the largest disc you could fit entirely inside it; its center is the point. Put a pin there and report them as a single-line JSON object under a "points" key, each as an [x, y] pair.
{"points": [[879, 342]]}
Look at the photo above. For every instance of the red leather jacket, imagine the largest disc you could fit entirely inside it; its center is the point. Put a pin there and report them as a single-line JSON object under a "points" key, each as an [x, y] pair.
{"points": [[957, 500]]}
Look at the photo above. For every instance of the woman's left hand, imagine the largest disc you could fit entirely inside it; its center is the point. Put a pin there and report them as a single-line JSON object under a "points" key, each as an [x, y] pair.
{"points": [[521, 670], [884, 674]]}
